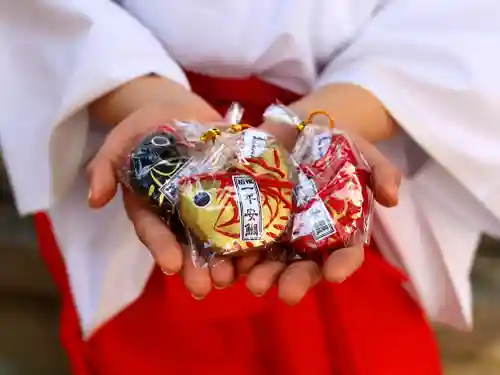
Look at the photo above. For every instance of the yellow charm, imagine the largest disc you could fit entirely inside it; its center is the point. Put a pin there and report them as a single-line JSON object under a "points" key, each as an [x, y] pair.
{"points": [[246, 206]]}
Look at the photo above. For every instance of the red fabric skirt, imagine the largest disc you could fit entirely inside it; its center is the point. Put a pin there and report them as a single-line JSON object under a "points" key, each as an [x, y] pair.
{"points": [[368, 325]]}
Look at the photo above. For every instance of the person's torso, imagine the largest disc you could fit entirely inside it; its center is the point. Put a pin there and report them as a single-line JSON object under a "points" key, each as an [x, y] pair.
{"points": [[286, 42]]}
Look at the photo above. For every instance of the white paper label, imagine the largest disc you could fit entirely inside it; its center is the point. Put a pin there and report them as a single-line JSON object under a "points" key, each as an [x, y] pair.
{"points": [[316, 221], [301, 226], [254, 143], [321, 222], [321, 144], [170, 189], [305, 190], [248, 194]]}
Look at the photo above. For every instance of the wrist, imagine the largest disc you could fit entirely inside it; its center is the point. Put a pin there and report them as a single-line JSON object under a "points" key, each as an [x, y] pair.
{"points": [[353, 108], [147, 90], [285, 134]]}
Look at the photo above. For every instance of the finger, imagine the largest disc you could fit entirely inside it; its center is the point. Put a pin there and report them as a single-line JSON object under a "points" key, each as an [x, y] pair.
{"points": [[246, 262], [285, 134], [343, 263], [222, 272], [386, 177], [297, 280], [197, 279], [386, 181], [154, 234], [262, 277], [102, 182], [102, 171]]}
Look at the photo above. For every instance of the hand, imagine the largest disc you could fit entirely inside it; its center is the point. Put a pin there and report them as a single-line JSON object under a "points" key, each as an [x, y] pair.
{"points": [[295, 280], [136, 117], [374, 124]]}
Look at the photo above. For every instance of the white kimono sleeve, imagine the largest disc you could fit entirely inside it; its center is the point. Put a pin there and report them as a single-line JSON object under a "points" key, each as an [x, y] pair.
{"points": [[56, 57], [434, 65]]}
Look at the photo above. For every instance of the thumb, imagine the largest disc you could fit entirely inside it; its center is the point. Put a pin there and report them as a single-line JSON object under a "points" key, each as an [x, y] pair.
{"points": [[102, 181], [386, 177], [102, 171], [285, 134]]}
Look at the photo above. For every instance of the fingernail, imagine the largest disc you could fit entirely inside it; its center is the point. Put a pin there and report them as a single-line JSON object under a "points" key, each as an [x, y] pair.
{"points": [[198, 298], [89, 196], [220, 287], [167, 272], [334, 279], [258, 294], [338, 280], [394, 189], [394, 194]]}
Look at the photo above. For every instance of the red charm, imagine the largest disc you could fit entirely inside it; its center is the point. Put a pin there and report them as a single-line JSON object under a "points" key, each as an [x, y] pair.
{"points": [[333, 198]]}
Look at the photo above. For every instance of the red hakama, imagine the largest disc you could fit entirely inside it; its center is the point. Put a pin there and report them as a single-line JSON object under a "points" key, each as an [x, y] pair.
{"points": [[367, 325]]}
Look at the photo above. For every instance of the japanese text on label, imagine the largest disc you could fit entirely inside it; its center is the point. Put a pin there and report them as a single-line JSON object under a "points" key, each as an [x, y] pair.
{"points": [[321, 144], [254, 143], [320, 221], [305, 190], [249, 206], [170, 189]]}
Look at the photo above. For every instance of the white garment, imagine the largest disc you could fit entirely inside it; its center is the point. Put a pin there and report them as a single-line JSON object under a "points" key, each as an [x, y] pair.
{"points": [[433, 64]]}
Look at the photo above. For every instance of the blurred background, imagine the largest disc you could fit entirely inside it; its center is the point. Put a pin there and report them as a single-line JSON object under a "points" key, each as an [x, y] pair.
{"points": [[29, 307]]}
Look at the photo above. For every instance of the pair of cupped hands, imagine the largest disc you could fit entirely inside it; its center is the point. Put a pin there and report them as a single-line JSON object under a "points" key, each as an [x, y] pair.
{"points": [[134, 118]]}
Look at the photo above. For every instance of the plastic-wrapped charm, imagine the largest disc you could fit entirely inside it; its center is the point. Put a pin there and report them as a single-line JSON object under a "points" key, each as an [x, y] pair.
{"points": [[333, 198], [154, 166], [241, 199], [334, 201], [156, 161]]}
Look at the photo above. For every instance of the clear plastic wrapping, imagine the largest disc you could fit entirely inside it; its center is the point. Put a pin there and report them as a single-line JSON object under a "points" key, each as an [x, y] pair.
{"points": [[224, 190], [239, 198], [232, 189], [157, 160], [153, 167], [333, 200]]}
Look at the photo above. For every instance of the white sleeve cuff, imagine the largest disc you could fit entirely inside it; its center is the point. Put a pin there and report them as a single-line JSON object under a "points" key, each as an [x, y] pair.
{"points": [[433, 66], [60, 56]]}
